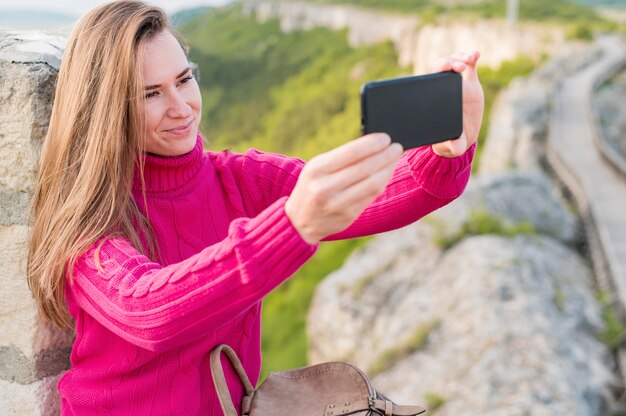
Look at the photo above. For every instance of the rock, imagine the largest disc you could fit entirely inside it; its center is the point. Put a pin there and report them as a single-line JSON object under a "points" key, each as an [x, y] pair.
{"points": [[507, 200], [519, 118], [513, 198], [567, 59], [373, 279], [495, 39], [28, 68], [38, 398], [510, 143], [29, 348], [499, 325], [517, 333], [33, 354], [609, 103]]}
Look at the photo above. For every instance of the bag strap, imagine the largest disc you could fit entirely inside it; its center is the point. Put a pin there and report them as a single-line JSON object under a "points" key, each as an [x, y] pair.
{"points": [[219, 380], [377, 406]]}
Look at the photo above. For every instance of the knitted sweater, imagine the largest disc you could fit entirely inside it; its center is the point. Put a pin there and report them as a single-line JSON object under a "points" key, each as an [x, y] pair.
{"points": [[144, 330]]}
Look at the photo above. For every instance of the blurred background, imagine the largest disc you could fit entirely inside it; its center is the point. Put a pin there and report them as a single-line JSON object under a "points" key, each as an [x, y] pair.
{"points": [[506, 302]]}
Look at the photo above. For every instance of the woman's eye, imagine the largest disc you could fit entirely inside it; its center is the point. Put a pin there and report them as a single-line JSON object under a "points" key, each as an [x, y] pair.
{"points": [[186, 79], [151, 94]]}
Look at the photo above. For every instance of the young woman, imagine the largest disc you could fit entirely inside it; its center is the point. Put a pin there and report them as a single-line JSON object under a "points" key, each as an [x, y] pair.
{"points": [[155, 251]]}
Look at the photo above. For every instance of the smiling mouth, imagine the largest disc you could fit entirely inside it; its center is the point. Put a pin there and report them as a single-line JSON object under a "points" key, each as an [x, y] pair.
{"points": [[178, 129]]}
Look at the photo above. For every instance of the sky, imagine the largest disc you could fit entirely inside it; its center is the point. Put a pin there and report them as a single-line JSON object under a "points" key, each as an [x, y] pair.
{"points": [[80, 7]]}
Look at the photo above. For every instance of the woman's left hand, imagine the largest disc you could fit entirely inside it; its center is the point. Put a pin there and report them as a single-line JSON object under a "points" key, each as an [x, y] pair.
{"points": [[473, 103]]}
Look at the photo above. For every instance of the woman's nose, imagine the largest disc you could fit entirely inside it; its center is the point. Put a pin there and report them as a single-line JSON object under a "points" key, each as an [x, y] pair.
{"points": [[178, 106]]}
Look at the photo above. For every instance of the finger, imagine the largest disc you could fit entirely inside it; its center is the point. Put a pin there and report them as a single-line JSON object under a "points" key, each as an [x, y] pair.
{"points": [[362, 193], [467, 58], [450, 64], [458, 66], [471, 74], [442, 64], [351, 152], [461, 56], [364, 168], [474, 58], [467, 65]]}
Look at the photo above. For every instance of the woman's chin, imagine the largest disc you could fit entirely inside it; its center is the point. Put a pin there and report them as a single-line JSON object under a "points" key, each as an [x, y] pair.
{"points": [[172, 145]]}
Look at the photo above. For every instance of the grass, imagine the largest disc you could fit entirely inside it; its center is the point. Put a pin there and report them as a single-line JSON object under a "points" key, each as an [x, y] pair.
{"points": [[482, 222], [361, 284], [284, 341], [614, 333], [364, 281], [434, 401], [413, 343], [559, 297]]}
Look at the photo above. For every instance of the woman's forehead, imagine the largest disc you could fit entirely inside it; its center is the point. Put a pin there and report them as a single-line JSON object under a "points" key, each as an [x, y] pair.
{"points": [[163, 58]]}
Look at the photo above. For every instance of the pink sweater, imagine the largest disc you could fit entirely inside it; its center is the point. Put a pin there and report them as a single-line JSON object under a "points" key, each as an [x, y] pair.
{"points": [[144, 330]]}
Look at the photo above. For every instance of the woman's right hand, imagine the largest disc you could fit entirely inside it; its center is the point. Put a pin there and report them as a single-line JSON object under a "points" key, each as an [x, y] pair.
{"points": [[335, 187]]}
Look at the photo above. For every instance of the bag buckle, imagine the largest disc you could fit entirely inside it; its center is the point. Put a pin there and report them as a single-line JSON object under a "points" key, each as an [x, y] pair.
{"points": [[372, 407], [388, 411]]}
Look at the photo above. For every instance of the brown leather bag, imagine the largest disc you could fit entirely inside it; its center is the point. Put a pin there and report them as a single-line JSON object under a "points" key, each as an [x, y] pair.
{"points": [[328, 389]]}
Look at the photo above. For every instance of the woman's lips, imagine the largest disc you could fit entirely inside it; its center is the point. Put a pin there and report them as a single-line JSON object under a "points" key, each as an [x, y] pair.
{"points": [[181, 130]]}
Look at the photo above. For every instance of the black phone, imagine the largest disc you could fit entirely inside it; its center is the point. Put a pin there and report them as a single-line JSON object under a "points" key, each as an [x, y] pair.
{"points": [[415, 110]]}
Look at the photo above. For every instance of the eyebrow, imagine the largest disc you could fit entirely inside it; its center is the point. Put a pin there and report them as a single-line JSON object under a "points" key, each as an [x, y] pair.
{"points": [[155, 86]]}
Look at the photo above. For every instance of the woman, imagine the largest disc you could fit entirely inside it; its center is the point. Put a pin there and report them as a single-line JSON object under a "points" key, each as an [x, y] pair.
{"points": [[155, 251]]}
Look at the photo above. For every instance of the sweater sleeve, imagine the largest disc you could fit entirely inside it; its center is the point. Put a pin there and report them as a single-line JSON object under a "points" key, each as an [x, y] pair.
{"points": [[422, 182], [159, 308]]}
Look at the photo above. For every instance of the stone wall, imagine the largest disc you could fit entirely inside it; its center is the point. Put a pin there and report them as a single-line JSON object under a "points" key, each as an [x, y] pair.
{"points": [[33, 355]]}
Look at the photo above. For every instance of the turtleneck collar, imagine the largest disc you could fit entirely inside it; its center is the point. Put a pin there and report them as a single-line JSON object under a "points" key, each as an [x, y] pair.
{"points": [[165, 173]]}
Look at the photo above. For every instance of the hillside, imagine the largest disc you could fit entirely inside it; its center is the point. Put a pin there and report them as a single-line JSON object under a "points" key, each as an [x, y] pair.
{"points": [[292, 93]]}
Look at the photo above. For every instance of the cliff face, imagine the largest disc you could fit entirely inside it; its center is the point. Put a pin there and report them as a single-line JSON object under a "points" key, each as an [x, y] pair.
{"points": [[417, 45]]}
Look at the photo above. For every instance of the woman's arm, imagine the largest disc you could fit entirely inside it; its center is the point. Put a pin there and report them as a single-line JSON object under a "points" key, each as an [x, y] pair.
{"points": [[422, 182], [159, 308]]}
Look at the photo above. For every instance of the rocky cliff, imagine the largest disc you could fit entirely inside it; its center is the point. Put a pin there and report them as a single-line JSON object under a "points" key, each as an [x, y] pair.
{"points": [[418, 45]]}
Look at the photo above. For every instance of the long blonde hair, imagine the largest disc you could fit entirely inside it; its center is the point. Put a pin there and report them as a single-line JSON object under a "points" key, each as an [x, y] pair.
{"points": [[87, 164]]}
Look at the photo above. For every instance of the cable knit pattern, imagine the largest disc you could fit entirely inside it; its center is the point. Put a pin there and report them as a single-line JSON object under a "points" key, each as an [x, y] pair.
{"points": [[144, 330]]}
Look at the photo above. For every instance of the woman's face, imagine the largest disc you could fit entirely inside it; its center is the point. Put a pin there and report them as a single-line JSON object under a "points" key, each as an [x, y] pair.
{"points": [[173, 102]]}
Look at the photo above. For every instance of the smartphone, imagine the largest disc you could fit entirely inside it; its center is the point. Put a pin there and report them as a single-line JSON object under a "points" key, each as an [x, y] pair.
{"points": [[415, 110]]}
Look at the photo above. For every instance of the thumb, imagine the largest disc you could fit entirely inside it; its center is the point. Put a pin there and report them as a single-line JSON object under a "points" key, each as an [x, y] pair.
{"points": [[470, 73], [452, 148]]}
